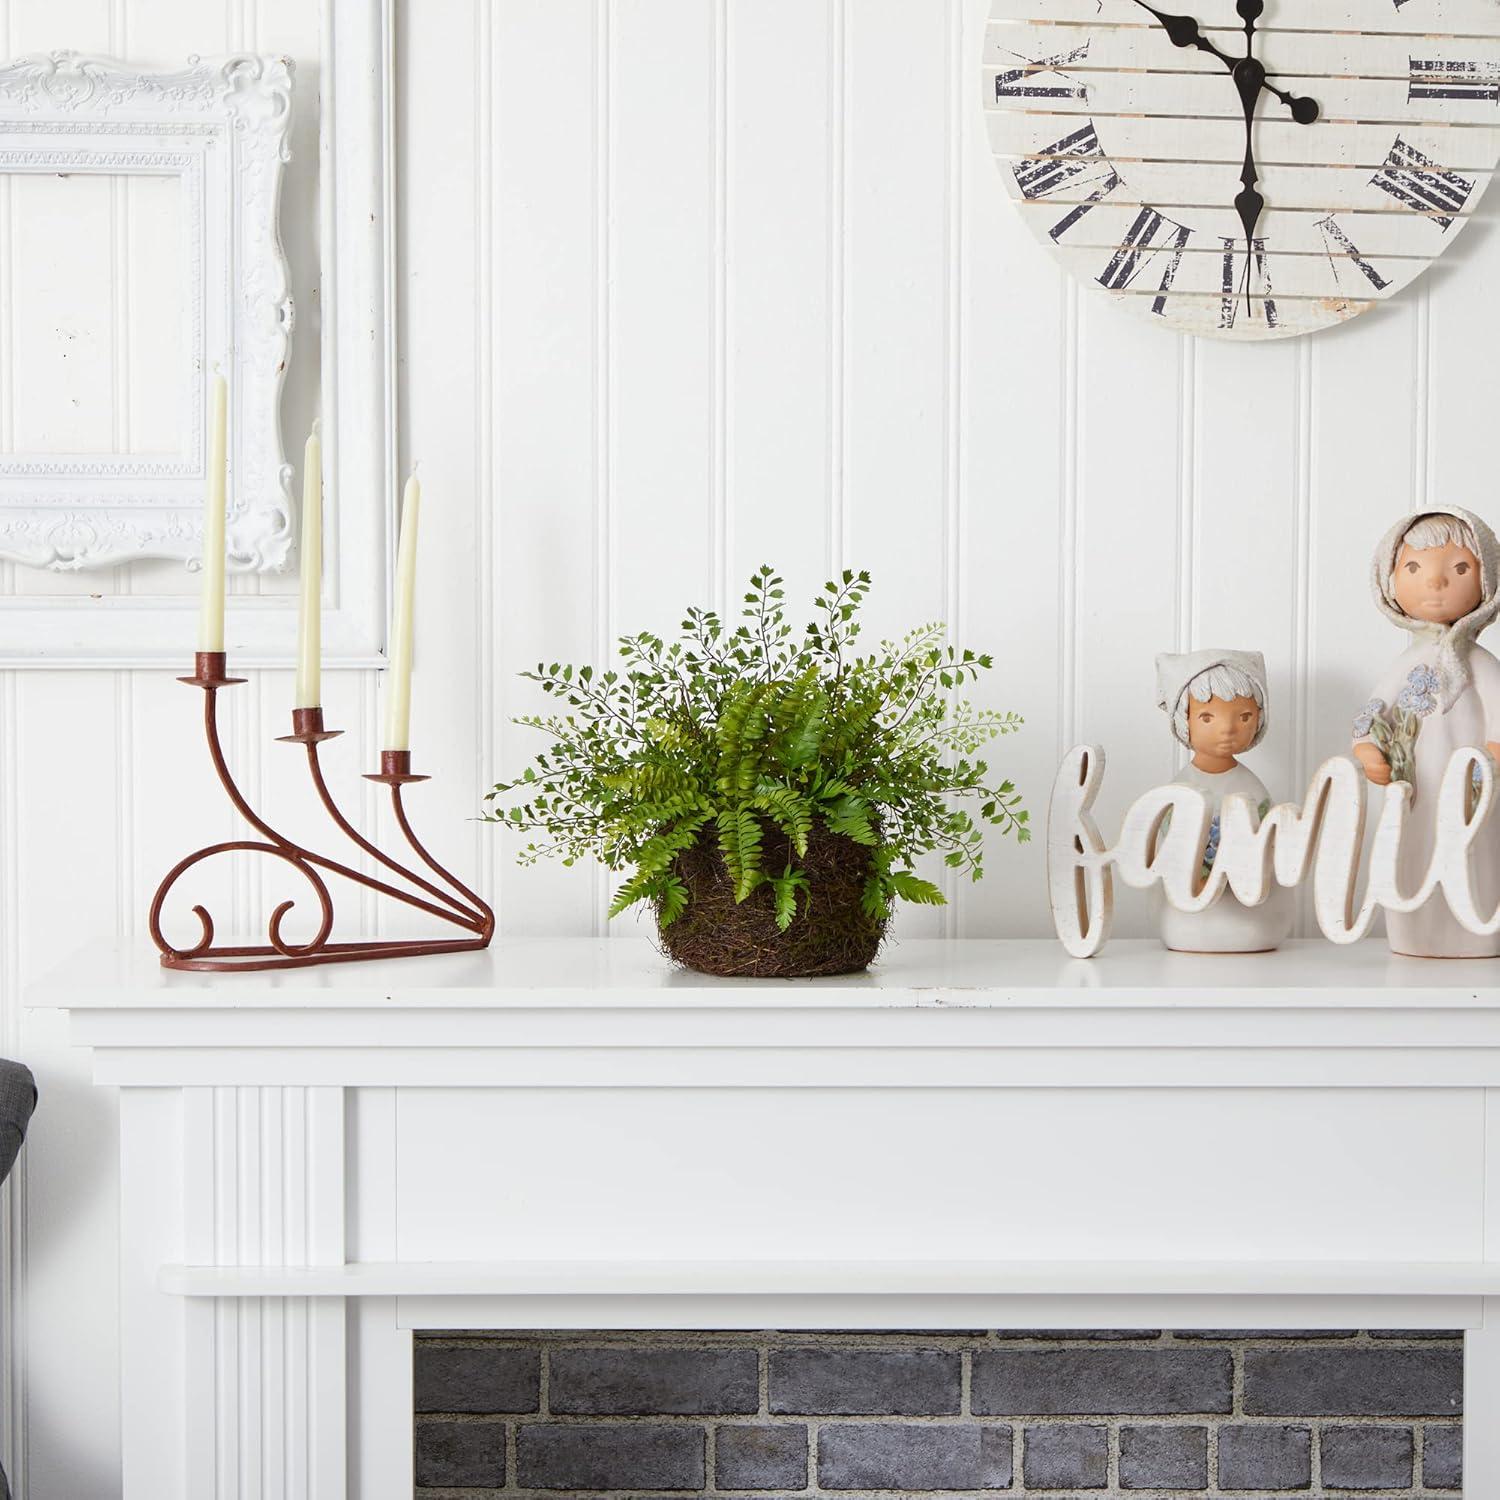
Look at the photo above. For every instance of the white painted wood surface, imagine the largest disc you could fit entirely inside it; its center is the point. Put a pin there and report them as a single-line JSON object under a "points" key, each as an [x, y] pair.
{"points": [[899, 378], [753, 1280], [269, 1215]]}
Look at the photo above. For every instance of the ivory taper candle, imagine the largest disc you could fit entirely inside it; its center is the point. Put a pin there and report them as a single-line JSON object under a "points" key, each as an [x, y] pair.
{"points": [[211, 607], [398, 689], [310, 619]]}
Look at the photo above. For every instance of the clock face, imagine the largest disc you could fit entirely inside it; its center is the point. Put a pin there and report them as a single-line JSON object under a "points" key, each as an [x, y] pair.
{"points": [[1247, 169]]}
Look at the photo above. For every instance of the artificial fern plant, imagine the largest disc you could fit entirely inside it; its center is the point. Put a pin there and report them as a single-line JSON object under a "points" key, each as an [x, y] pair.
{"points": [[752, 735]]}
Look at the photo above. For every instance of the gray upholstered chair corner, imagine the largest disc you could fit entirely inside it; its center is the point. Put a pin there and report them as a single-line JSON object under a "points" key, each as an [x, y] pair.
{"points": [[17, 1101]]}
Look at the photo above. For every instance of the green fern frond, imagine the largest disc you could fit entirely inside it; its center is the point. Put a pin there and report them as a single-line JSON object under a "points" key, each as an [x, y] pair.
{"points": [[739, 842], [874, 901], [789, 811], [740, 737], [672, 901], [850, 816], [640, 887], [910, 888], [784, 890]]}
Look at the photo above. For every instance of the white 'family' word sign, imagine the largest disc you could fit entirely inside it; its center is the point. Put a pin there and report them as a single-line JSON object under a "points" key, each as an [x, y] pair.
{"points": [[1165, 831]]}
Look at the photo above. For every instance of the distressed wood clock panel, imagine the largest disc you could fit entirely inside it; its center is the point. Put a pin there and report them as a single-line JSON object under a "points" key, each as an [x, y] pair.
{"points": [[1256, 168]]}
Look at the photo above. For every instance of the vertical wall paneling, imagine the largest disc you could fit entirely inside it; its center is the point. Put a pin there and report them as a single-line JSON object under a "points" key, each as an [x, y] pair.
{"points": [[7, 338], [540, 293], [663, 247], [604, 365], [838, 277], [663, 365], [13, 1216], [719, 501], [1130, 572], [438, 427], [899, 269], [1012, 494], [1242, 575], [955, 253], [896, 227], [779, 332], [67, 837]]}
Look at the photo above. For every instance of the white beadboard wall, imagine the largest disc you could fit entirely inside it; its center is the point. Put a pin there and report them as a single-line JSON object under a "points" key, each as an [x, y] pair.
{"points": [[686, 285]]}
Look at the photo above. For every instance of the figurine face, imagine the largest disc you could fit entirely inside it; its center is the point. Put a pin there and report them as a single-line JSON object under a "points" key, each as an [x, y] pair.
{"points": [[1437, 584], [1222, 728]]}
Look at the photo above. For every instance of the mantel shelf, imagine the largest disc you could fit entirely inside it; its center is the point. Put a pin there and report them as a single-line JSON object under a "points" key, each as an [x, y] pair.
{"points": [[750, 1279], [611, 1012], [629, 973]]}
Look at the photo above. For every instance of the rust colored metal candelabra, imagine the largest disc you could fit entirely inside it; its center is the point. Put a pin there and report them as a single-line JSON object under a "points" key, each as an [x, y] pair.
{"points": [[443, 897]]}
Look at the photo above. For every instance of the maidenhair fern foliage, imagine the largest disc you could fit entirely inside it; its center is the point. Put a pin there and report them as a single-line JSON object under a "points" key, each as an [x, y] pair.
{"points": [[731, 730]]}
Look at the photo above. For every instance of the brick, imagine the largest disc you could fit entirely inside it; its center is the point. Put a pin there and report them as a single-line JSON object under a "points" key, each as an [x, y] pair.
{"points": [[1353, 1382], [1100, 1382], [1300, 1335], [1443, 1458], [913, 1456], [866, 1382], [467, 1455], [1164, 1458], [653, 1381], [610, 1456], [1367, 1458], [761, 1456], [1093, 1335], [1265, 1458], [490, 1379], [1454, 1334], [1066, 1455]]}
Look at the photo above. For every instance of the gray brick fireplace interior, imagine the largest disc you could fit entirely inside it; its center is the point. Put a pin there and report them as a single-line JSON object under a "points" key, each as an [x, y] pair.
{"points": [[1036, 1412]]}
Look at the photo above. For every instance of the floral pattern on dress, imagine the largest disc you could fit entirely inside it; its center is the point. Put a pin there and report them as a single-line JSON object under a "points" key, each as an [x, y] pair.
{"points": [[1419, 696]]}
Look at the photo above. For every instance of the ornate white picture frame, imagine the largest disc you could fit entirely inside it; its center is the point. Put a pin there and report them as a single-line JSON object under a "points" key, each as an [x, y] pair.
{"points": [[221, 127]]}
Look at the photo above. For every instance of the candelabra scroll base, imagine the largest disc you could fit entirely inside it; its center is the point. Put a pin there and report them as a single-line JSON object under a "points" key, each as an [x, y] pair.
{"points": [[438, 893]]}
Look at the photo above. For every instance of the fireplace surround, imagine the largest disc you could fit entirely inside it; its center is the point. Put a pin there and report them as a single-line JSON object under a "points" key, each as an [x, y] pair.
{"points": [[567, 1135]]}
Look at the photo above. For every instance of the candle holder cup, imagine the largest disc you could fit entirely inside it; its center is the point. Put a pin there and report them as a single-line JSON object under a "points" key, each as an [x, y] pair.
{"points": [[438, 892]]}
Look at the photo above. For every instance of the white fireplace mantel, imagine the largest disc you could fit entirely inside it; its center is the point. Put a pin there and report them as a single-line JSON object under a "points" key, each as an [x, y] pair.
{"points": [[570, 1134]]}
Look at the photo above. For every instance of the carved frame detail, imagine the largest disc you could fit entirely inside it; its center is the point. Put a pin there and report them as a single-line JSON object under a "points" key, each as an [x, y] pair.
{"points": [[221, 126]]}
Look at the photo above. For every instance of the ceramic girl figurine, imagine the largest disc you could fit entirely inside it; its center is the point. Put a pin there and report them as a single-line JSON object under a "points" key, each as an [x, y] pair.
{"points": [[1216, 701], [1435, 574]]}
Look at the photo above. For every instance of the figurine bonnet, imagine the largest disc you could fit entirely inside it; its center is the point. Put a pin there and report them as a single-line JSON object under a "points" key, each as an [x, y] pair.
{"points": [[1216, 702], [1436, 574]]}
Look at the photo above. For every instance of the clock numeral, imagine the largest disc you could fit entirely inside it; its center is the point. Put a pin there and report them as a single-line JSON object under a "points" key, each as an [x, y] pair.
{"points": [[1078, 162], [1337, 245], [1412, 178], [1151, 235], [1454, 80], [1020, 83], [1245, 282]]}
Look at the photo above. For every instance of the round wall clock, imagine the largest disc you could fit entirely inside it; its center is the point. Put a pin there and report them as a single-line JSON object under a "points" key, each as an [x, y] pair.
{"points": [[1249, 169]]}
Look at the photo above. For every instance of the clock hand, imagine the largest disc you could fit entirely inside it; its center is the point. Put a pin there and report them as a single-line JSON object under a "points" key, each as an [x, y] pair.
{"points": [[1182, 31], [1249, 75]]}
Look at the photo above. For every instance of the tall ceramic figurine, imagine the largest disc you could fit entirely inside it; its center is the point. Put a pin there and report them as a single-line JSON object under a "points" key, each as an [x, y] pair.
{"points": [[1216, 701], [1435, 574]]}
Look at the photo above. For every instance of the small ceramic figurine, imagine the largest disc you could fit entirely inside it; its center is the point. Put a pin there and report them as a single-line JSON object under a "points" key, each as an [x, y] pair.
{"points": [[1435, 574], [1216, 701]]}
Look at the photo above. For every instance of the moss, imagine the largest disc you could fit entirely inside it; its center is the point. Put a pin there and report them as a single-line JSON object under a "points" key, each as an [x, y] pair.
{"points": [[831, 933]]}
